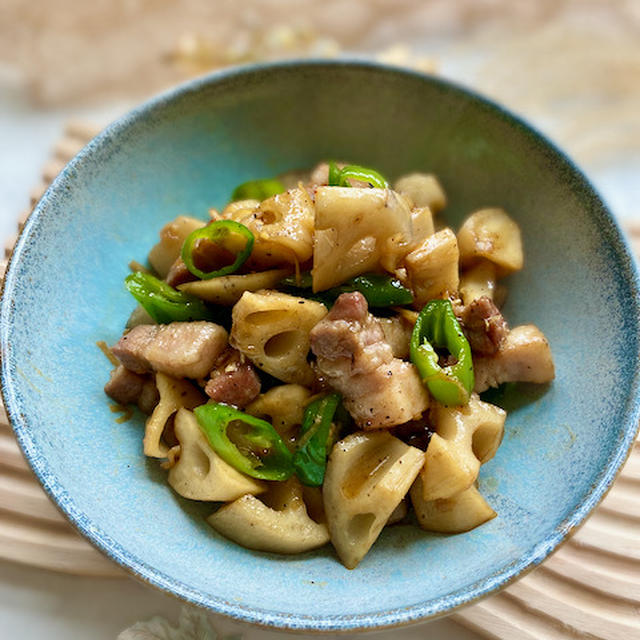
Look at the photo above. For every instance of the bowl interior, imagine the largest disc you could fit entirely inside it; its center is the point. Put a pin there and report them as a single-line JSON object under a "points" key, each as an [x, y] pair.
{"points": [[183, 153]]}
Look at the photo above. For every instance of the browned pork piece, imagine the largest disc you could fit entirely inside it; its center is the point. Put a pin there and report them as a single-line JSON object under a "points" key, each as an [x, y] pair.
{"points": [[484, 326], [179, 349], [124, 386], [524, 356], [356, 360], [179, 274], [234, 380], [127, 387]]}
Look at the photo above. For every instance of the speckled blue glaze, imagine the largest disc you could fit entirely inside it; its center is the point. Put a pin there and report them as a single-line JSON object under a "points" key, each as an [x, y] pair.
{"points": [[182, 153]]}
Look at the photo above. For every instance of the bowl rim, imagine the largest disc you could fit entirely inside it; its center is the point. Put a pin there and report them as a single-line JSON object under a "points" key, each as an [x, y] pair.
{"points": [[384, 619]]}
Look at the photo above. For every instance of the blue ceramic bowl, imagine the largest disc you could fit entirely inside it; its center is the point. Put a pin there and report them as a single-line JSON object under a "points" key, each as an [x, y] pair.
{"points": [[183, 152]]}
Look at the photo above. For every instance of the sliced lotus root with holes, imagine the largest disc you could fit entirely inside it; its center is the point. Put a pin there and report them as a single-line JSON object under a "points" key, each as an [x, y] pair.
{"points": [[174, 394], [462, 512], [272, 330], [465, 438], [368, 475], [283, 407], [279, 523], [283, 226], [200, 473]]}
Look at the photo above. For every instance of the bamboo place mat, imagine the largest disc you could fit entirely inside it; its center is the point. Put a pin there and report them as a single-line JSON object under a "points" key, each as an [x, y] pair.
{"points": [[590, 588]]}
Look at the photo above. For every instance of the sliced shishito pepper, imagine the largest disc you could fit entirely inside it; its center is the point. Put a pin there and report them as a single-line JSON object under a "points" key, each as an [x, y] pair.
{"points": [[378, 289], [248, 444], [162, 302], [341, 177], [229, 235], [334, 175], [437, 328], [310, 458], [257, 189]]}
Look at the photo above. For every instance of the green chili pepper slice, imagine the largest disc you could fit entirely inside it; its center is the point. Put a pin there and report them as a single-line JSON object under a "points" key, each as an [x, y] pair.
{"points": [[257, 189], [221, 232], [310, 458], [162, 302], [341, 177], [248, 444], [334, 174], [438, 327], [379, 290]]}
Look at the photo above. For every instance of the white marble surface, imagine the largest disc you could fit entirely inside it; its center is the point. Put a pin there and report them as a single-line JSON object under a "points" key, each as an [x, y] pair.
{"points": [[42, 605]]}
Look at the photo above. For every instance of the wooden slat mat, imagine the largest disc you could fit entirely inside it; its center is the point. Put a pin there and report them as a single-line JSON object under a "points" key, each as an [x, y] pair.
{"points": [[590, 588]]}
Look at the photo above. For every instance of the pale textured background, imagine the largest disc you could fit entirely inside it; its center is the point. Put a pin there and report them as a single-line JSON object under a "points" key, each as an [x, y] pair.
{"points": [[572, 67]]}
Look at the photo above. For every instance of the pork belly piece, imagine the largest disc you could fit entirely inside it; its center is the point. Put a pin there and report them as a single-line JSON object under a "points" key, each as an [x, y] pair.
{"points": [[149, 397], [234, 380], [524, 356], [484, 326], [179, 349], [356, 360], [124, 386], [127, 387], [179, 274]]}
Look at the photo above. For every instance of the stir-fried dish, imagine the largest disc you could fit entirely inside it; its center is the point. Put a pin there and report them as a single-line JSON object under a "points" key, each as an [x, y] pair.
{"points": [[311, 357]]}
